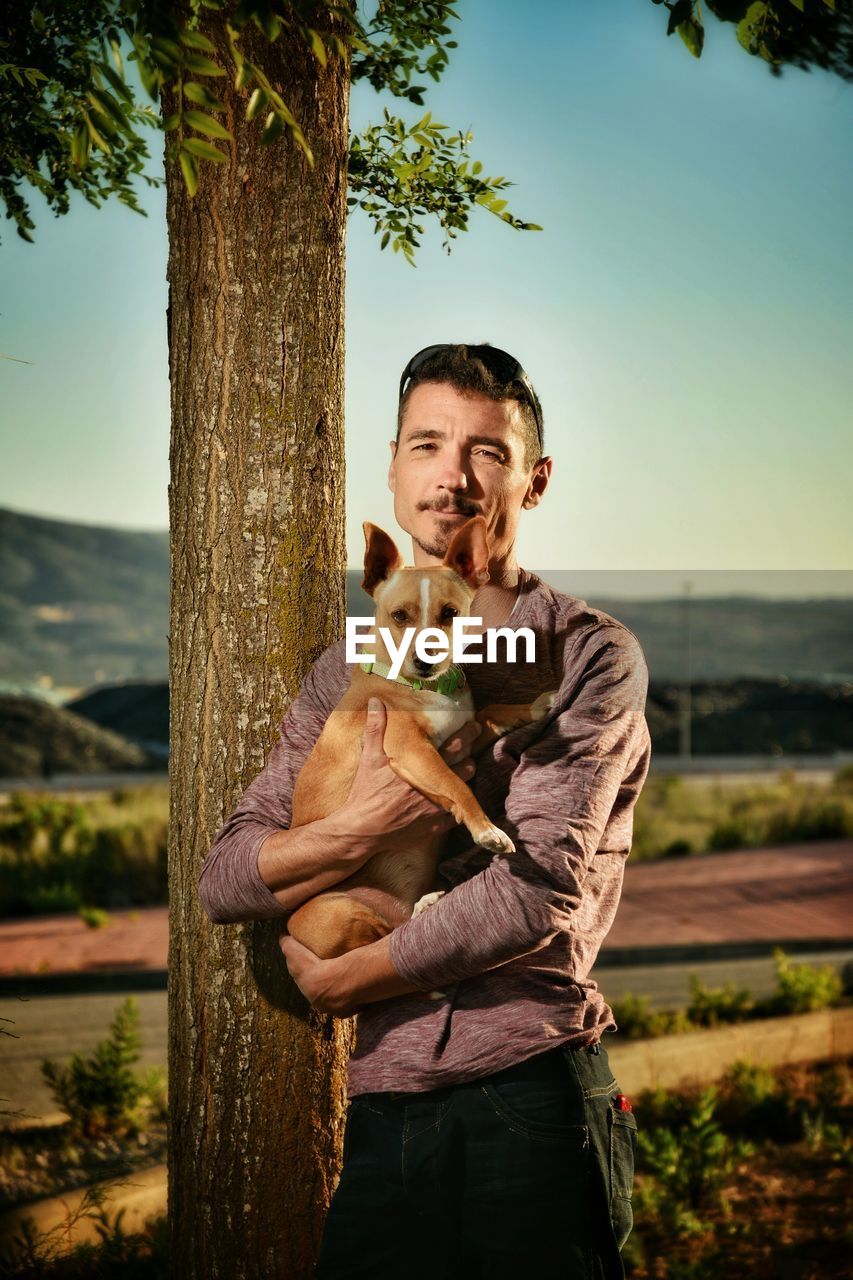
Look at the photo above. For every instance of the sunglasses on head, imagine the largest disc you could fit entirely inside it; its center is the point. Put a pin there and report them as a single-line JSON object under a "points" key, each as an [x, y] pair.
{"points": [[500, 363]]}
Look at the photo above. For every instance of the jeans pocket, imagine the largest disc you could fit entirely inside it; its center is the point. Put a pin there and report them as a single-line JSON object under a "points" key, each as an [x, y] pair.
{"points": [[623, 1150], [547, 1110]]}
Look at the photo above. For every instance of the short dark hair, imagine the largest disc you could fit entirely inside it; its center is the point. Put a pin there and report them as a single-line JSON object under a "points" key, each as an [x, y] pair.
{"points": [[459, 366]]}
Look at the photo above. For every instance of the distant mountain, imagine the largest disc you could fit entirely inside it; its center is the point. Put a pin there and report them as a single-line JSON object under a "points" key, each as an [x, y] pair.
{"points": [[85, 606], [81, 605], [37, 740], [731, 717]]}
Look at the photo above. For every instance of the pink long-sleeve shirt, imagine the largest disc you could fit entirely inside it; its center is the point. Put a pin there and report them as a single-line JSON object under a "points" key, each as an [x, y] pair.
{"points": [[513, 941]]}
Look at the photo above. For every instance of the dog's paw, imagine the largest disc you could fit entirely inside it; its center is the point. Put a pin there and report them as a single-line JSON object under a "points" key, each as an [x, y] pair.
{"points": [[495, 839], [426, 901], [543, 704]]}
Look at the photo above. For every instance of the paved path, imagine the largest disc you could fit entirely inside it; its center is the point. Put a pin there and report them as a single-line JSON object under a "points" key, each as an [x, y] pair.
{"points": [[798, 892]]}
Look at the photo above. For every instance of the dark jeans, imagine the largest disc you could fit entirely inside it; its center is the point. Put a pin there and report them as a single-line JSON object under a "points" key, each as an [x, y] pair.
{"points": [[528, 1168]]}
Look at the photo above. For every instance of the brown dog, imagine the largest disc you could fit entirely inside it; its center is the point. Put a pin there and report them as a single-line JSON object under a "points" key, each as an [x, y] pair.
{"points": [[425, 706]]}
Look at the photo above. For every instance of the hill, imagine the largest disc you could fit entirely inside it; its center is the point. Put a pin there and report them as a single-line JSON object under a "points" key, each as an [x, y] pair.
{"points": [[85, 606], [81, 604], [37, 739], [732, 717]]}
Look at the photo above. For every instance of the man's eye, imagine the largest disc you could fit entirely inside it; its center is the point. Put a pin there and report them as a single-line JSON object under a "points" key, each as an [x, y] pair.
{"points": [[490, 454], [399, 615], [426, 445]]}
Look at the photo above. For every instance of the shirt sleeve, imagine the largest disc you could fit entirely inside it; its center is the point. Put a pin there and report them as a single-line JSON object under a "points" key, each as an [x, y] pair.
{"points": [[560, 798], [230, 886]]}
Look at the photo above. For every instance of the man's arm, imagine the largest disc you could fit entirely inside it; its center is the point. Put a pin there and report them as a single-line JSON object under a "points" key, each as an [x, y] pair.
{"points": [[259, 869], [560, 799], [231, 886]]}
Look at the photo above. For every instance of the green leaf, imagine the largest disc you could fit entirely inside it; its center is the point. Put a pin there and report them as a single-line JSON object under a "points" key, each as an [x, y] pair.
{"points": [[257, 102], [693, 34], [195, 40], [746, 28], [204, 150], [202, 66], [207, 124], [107, 106], [272, 129], [199, 93], [171, 122], [80, 146], [799, 4], [190, 171], [117, 83], [317, 47]]}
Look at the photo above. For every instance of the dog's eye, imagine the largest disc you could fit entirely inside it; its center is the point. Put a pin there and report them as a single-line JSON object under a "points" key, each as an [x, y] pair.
{"points": [[448, 613], [399, 615]]}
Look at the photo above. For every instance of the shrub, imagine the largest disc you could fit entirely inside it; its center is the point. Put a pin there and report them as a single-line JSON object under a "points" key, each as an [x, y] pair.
{"points": [[691, 1160], [101, 1093], [711, 1007], [94, 917], [803, 987], [637, 1021]]}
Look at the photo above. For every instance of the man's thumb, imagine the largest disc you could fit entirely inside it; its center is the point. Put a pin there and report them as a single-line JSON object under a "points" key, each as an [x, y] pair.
{"points": [[375, 717]]}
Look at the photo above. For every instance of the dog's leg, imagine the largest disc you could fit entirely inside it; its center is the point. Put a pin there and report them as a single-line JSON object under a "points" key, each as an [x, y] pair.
{"points": [[414, 759], [333, 923]]}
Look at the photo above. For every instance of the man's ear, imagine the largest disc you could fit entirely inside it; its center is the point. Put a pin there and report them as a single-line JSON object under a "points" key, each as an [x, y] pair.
{"points": [[381, 557], [468, 553]]}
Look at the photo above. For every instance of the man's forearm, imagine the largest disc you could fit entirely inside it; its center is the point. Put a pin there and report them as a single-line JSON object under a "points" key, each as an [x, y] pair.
{"points": [[300, 862]]}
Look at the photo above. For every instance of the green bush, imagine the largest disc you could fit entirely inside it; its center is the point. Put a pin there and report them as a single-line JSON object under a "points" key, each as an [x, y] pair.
{"points": [[802, 988], [637, 1021], [56, 855], [101, 1094], [712, 1007], [690, 1161], [94, 917]]}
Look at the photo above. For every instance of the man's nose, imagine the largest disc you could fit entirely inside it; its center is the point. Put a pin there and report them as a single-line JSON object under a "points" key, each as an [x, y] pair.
{"points": [[453, 474]]}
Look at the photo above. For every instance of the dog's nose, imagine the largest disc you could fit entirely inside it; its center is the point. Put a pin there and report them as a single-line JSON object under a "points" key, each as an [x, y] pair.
{"points": [[423, 667]]}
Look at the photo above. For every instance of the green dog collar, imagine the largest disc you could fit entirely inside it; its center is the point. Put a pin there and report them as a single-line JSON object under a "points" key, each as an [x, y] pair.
{"points": [[448, 683]]}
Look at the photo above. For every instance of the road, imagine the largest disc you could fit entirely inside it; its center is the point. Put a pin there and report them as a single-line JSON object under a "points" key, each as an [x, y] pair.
{"points": [[56, 1026]]}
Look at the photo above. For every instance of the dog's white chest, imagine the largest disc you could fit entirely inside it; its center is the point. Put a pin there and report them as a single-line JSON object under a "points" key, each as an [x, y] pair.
{"points": [[446, 715]]}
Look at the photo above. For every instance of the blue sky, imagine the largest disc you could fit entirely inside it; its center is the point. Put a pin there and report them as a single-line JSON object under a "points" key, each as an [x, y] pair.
{"points": [[685, 314]]}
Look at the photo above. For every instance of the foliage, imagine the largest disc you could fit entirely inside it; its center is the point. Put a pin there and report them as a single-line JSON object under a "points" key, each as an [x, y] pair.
{"points": [[102, 1093], [141, 1255], [713, 1007], [60, 855], [71, 121], [691, 1217], [803, 987], [800, 988], [799, 33], [94, 917], [675, 816]]}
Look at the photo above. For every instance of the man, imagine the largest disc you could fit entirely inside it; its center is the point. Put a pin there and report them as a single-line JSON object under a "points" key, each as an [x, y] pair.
{"points": [[485, 1131]]}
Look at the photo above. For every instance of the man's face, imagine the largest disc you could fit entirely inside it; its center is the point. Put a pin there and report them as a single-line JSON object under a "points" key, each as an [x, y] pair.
{"points": [[461, 455]]}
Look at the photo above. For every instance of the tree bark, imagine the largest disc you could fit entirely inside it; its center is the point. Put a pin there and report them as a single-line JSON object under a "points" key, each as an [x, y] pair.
{"points": [[256, 501]]}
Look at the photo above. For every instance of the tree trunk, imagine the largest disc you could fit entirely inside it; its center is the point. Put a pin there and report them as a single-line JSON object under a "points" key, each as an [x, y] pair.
{"points": [[256, 500]]}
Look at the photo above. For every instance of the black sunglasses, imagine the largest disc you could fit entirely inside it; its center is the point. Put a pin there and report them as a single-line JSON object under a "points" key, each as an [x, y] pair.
{"points": [[500, 363]]}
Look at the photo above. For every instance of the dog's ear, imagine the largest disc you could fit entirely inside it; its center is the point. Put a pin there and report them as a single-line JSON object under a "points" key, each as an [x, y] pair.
{"points": [[468, 553], [381, 557]]}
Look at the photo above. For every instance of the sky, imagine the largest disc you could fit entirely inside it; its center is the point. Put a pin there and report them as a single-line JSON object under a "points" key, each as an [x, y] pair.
{"points": [[684, 315]]}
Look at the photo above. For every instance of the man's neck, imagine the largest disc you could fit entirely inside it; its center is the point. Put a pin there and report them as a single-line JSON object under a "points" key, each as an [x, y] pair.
{"points": [[495, 600]]}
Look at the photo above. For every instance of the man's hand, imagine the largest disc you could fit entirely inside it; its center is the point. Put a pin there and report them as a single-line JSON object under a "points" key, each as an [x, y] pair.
{"points": [[341, 986], [381, 804], [318, 980]]}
